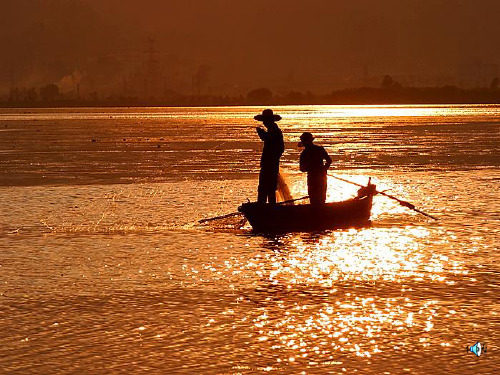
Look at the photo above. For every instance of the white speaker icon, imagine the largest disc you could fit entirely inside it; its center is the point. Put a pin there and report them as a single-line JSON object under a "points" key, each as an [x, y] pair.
{"points": [[477, 349]]}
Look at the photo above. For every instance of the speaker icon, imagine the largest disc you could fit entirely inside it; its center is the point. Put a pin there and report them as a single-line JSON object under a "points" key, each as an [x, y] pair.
{"points": [[477, 349]]}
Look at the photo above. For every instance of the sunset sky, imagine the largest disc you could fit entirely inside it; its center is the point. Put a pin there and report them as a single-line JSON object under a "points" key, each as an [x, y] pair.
{"points": [[285, 45]]}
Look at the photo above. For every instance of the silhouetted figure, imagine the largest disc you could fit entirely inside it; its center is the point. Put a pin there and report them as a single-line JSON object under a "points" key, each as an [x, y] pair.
{"points": [[271, 154], [315, 161]]}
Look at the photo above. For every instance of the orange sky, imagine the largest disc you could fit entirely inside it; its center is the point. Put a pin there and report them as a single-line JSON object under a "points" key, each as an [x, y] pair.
{"points": [[318, 44]]}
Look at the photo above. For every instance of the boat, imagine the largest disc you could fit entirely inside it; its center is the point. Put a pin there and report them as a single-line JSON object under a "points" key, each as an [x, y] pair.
{"points": [[283, 218]]}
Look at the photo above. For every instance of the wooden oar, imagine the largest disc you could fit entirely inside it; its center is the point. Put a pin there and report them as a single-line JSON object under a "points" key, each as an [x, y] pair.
{"points": [[293, 200], [400, 201], [239, 213], [220, 217]]}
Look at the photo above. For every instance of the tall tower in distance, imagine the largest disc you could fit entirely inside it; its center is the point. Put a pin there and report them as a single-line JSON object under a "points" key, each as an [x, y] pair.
{"points": [[153, 80]]}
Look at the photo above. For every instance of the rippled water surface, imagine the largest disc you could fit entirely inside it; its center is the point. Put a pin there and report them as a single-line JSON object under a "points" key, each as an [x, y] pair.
{"points": [[104, 269]]}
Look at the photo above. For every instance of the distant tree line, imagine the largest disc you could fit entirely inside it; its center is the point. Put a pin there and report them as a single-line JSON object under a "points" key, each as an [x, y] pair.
{"points": [[389, 92]]}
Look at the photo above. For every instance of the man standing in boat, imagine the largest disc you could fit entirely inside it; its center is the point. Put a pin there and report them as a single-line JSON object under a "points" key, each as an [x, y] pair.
{"points": [[315, 161], [271, 154]]}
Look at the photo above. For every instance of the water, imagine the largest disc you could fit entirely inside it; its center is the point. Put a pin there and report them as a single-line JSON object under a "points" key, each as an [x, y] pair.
{"points": [[103, 268]]}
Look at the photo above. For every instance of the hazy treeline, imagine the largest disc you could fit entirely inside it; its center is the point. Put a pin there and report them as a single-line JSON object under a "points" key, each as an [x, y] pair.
{"points": [[394, 94]]}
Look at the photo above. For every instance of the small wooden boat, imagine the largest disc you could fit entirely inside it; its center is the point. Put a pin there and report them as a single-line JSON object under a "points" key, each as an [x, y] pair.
{"points": [[352, 213]]}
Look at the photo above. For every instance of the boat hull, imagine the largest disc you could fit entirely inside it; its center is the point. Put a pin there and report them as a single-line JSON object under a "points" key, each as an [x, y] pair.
{"points": [[266, 218]]}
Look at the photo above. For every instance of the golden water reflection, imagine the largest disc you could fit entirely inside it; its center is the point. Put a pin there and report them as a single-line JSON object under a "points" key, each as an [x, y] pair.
{"points": [[361, 255], [322, 297], [400, 111]]}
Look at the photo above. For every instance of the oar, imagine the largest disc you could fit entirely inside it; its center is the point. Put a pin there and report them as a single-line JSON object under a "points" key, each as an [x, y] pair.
{"points": [[239, 213], [219, 217], [293, 200], [400, 201]]}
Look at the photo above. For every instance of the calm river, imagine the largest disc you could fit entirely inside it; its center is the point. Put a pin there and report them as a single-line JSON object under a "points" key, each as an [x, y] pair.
{"points": [[104, 269]]}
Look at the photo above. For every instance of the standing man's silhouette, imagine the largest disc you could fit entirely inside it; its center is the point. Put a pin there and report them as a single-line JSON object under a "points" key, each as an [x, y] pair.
{"points": [[315, 161], [271, 154]]}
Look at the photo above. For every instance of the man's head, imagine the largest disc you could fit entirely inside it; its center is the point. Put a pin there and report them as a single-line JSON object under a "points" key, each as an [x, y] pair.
{"points": [[267, 117], [306, 139]]}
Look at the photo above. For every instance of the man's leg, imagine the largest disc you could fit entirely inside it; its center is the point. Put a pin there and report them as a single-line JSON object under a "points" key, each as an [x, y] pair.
{"points": [[271, 196], [273, 181], [263, 183], [322, 189], [312, 189], [261, 195], [316, 187], [313, 193]]}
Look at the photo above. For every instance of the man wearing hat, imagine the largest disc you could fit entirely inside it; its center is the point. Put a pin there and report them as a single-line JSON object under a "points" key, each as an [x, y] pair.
{"points": [[271, 154], [315, 161]]}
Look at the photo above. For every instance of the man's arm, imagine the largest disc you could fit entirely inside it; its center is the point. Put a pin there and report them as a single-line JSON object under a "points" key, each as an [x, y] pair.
{"points": [[262, 134], [302, 163], [328, 159]]}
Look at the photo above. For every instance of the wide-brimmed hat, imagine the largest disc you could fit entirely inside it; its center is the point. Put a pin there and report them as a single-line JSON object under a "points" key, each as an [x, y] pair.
{"points": [[305, 137], [267, 114]]}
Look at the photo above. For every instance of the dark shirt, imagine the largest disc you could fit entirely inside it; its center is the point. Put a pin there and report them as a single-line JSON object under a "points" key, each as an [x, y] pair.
{"points": [[311, 160], [273, 142]]}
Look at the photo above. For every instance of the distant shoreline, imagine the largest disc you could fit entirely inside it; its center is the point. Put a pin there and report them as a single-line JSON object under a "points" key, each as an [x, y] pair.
{"points": [[263, 97]]}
